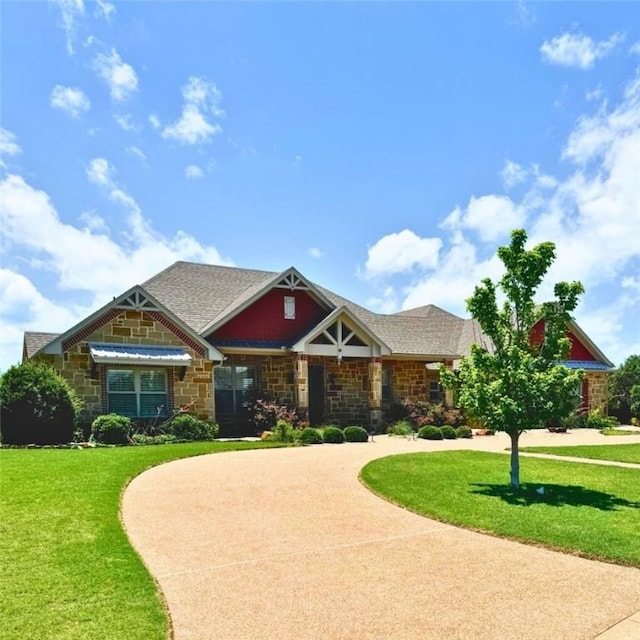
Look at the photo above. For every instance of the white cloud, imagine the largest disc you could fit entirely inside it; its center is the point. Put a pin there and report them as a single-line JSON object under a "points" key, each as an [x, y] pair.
{"points": [[201, 101], [94, 222], [119, 76], [8, 144], [512, 174], [635, 48], [193, 171], [154, 121], [72, 100], [105, 9], [386, 303], [492, 217], [70, 11], [578, 50], [314, 252], [125, 122], [401, 252], [137, 152], [100, 172], [79, 259]]}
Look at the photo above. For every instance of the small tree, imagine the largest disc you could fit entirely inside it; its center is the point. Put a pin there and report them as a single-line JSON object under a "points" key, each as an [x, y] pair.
{"points": [[514, 384], [624, 385], [37, 406]]}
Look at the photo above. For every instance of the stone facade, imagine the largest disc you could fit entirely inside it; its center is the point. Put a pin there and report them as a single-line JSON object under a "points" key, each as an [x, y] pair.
{"points": [[598, 390], [133, 327]]}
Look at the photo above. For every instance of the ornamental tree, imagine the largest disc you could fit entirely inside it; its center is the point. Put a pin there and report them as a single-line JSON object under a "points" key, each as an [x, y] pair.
{"points": [[510, 383]]}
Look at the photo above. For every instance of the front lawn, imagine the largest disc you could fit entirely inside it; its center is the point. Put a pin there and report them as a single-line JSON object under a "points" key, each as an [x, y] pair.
{"points": [[586, 509], [67, 569], [615, 452]]}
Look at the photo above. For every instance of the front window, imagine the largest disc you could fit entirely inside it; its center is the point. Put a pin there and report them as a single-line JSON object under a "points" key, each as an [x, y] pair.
{"points": [[137, 393], [436, 393], [234, 387]]}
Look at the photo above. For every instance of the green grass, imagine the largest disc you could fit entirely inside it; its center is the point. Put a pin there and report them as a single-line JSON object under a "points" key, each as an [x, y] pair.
{"points": [[590, 510], [615, 452], [67, 570], [619, 432]]}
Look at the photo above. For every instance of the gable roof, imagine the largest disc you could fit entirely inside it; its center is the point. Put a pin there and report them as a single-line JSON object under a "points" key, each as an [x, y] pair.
{"points": [[34, 341]]}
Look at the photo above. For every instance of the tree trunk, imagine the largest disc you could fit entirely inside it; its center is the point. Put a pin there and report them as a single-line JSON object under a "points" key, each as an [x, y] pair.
{"points": [[515, 460]]}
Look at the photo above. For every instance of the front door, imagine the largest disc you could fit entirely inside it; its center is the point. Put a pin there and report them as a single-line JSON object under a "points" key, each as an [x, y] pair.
{"points": [[316, 393]]}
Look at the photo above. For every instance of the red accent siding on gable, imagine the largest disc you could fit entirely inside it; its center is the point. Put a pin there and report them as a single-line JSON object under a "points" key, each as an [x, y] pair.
{"points": [[264, 319], [577, 352]]}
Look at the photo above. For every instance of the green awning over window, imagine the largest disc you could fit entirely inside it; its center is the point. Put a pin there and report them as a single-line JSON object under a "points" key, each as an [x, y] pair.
{"points": [[139, 354]]}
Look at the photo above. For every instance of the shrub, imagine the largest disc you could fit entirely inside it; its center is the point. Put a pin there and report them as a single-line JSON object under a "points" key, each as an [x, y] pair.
{"points": [[448, 433], [429, 432], [464, 432], [575, 420], [37, 406], [111, 429], [266, 414], [309, 435], [355, 434], [163, 438], [333, 435], [401, 428], [185, 426], [597, 420], [283, 431]]}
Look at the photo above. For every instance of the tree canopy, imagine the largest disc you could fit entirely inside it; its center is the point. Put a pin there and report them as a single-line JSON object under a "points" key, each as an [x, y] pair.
{"points": [[512, 383], [624, 385]]}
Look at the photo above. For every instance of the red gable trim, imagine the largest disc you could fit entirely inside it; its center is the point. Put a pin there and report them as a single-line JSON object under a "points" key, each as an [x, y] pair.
{"points": [[90, 329], [165, 322]]}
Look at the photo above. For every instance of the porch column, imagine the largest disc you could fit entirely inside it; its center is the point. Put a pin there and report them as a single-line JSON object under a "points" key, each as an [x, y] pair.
{"points": [[375, 390], [448, 393], [301, 382]]}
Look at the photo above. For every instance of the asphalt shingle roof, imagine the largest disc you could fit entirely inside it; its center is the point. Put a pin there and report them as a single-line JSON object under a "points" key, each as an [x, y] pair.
{"points": [[36, 340], [201, 295]]}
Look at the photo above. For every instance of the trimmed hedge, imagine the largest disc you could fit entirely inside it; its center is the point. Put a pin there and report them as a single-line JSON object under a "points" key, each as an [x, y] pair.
{"points": [[186, 426], [111, 429], [448, 432], [355, 434], [309, 435], [464, 432], [333, 435], [429, 432]]}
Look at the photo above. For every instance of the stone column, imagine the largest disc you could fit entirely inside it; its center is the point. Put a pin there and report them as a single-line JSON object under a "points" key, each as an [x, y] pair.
{"points": [[375, 391], [301, 383], [448, 393]]}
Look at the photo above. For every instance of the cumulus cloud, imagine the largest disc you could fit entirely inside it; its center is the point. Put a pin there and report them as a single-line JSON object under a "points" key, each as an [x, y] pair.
{"points": [[401, 252], [201, 102], [70, 12], [512, 174], [8, 144], [120, 77], [578, 50], [491, 217], [32, 226], [193, 171], [125, 122], [105, 9], [70, 99]]}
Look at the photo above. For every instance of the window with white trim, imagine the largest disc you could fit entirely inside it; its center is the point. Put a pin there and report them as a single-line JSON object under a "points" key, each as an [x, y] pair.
{"points": [[137, 393], [289, 308]]}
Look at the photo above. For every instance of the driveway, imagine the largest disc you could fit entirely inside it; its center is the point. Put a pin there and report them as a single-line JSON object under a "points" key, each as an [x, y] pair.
{"points": [[287, 544]]}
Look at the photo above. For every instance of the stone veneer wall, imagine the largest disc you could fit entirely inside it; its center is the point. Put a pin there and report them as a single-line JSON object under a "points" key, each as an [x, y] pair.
{"points": [[598, 391], [346, 391], [134, 327], [410, 379]]}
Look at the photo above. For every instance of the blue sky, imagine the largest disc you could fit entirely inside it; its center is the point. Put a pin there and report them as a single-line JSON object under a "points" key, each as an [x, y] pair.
{"points": [[385, 149]]}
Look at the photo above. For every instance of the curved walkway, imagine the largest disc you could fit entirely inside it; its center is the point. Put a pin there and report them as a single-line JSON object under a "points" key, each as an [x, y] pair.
{"points": [[286, 544]]}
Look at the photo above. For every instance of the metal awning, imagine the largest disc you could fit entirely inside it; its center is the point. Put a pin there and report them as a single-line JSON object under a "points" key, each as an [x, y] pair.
{"points": [[139, 354], [587, 365]]}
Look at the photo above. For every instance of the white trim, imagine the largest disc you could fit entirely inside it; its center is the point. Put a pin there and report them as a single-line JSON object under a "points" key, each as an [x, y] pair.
{"points": [[138, 354]]}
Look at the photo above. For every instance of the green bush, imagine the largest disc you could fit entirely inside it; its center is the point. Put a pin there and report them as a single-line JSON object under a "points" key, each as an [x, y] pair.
{"points": [[597, 420], [186, 426], [37, 406], [429, 432], [400, 428], [355, 434], [448, 433], [333, 435], [309, 435], [283, 431], [111, 429], [163, 438], [464, 432]]}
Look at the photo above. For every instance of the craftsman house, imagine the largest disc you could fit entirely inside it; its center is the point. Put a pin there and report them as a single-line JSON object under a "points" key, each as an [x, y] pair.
{"points": [[218, 338]]}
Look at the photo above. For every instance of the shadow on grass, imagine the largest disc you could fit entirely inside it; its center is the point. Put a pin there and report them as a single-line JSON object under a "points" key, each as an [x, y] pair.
{"points": [[555, 495]]}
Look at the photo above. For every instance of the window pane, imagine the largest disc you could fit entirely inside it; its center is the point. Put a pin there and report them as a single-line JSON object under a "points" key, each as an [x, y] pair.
{"points": [[120, 380], [153, 380], [123, 404], [222, 378], [149, 403]]}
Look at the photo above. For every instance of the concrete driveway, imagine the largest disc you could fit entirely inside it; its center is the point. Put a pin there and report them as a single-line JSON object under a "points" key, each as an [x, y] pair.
{"points": [[287, 544]]}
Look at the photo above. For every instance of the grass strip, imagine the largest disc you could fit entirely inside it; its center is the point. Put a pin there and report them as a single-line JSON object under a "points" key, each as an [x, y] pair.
{"points": [[67, 570], [589, 510], [615, 452]]}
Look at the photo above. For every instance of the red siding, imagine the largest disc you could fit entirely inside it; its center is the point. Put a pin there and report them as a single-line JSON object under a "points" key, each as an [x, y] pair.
{"points": [[578, 350], [264, 319]]}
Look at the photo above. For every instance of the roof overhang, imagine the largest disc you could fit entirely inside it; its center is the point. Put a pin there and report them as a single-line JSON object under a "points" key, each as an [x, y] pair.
{"points": [[586, 365], [139, 354]]}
